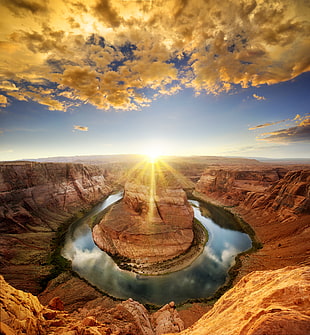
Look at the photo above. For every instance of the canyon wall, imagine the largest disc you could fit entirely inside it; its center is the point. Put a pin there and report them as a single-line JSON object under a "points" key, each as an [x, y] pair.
{"points": [[38, 195], [36, 199], [274, 202], [263, 302]]}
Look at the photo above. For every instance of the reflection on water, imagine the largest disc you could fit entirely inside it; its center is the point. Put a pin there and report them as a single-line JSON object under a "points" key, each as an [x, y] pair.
{"points": [[201, 279]]}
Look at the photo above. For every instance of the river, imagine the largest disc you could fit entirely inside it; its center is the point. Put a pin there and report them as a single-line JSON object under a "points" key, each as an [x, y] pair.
{"points": [[200, 280]]}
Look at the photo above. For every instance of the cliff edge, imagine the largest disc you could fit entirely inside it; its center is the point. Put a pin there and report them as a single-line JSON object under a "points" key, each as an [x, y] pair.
{"points": [[36, 199], [274, 202], [263, 302]]}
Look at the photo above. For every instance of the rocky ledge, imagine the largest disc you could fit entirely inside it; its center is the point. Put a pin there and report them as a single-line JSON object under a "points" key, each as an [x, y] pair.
{"points": [[151, 225], [263, 302]]}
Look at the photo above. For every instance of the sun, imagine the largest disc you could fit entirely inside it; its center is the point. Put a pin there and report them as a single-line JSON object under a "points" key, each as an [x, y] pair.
{"points": [[153, 155]]}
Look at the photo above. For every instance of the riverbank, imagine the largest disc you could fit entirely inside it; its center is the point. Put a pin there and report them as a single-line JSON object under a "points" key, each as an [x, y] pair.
{"points": [[172, 265], [279, 240]]}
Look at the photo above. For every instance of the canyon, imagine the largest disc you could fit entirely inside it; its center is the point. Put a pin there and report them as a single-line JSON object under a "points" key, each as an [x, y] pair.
{"points": [[274, 202], [36, 199]]}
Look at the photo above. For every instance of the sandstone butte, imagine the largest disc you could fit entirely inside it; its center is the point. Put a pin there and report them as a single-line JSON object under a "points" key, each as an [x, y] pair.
{"points": [[151, 224], [264, 302]]}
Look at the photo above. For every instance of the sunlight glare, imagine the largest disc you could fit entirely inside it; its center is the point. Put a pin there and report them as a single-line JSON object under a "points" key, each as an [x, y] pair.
{"points": [[153, 155]]}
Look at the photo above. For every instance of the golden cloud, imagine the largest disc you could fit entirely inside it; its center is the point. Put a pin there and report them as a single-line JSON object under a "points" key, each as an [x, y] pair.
{"points": [[109, 53], [267, 124], [3, 101], [81, 128], [299, 133], [257, 97]]}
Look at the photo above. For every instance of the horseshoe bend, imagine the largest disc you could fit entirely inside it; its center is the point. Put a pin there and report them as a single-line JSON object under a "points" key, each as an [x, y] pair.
{"points": [[152, 225]]}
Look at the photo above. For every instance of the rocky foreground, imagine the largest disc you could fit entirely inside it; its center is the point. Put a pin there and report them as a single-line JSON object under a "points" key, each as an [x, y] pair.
{"points": [[268, 302]]}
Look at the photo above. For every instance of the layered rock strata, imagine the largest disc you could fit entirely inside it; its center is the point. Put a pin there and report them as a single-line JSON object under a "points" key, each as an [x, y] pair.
{"points": [[147, 228], [36, 199], [232, 184], [277, 209]]}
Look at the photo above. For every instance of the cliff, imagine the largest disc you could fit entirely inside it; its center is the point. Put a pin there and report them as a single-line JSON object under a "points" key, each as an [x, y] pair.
{"points": [[22, 313], [232, 184], [37, 196], [36, 199], [274, 202], [269, 302], [263, 302]]}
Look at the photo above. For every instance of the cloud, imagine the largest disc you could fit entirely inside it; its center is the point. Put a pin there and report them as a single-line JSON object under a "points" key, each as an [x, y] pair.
{"points": [[3, 101], [7, 86], [257, 97], [23, 7], [266, 124], [299, 133], [81, 128], [121, 54]]}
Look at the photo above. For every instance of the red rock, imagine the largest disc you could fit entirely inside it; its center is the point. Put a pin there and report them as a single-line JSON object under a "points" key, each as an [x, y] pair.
{"points": [[57, 323], [268, 302], [145, 227], [6, 330], [56, 304], [49, 315], [90, 321]]}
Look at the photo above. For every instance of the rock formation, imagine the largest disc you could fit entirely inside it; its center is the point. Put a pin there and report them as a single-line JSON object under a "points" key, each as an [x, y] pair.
{"points": [[153, 222], [276, 205], [35, 200], [37, 196], [232, 184], [263, 302], [269, 302], [22, 313]]}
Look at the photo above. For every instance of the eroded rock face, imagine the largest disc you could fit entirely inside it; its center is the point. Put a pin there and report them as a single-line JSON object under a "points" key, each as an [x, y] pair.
{"points": [[35, 200], [22, 313], [291, 194], [147, 227], [37, 196], [269, 302], [263, 302], [231, 185], [279, 213]]}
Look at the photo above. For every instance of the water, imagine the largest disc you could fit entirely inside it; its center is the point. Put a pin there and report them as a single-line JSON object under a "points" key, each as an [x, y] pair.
{"points": [[200, 280]]}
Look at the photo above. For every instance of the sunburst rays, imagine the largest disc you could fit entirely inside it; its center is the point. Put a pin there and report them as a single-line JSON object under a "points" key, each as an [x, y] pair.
{"points": [[157, 176]]}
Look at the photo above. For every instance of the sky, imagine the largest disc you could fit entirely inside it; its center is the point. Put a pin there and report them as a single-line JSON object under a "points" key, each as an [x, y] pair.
{"points": [[178, 77]]}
